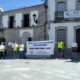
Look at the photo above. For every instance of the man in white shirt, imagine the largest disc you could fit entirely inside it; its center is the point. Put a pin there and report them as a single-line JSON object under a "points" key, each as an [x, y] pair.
{"points": [[13, 45], [21, 50], [74, 49]]}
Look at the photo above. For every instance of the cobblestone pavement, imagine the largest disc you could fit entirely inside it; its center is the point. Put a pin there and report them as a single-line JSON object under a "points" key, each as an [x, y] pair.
{"points": [[39, 69]]}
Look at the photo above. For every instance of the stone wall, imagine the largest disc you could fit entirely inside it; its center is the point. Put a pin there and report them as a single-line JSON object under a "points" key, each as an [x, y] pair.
{"points": [[1, 34], [14, 34]]}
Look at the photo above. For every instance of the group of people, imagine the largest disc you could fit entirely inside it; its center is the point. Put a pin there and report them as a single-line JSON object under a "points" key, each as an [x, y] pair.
{"points": [[60, 46], [17, 50]]}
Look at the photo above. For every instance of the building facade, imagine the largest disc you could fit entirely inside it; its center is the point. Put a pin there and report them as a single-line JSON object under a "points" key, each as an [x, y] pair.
{"points": [[25, 24], [64, 21]]}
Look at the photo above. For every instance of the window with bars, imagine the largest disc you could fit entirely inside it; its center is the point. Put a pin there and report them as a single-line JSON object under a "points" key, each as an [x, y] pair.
{"points": [[61, 35], [78, 5], [61, 7]]}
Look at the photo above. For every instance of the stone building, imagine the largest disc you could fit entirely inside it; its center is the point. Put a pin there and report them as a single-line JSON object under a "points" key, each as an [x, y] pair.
{"points": [[25, 24], [64, 21]]}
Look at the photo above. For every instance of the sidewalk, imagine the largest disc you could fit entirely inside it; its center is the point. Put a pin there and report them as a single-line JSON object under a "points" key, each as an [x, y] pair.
{"points": [[52, 69]]}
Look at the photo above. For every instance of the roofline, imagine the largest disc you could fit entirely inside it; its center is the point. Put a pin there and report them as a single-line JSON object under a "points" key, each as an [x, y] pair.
{"points": [[22, 8]]}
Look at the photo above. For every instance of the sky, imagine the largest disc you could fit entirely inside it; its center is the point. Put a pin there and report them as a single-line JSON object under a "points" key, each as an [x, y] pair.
{"points": [[16, 4]]}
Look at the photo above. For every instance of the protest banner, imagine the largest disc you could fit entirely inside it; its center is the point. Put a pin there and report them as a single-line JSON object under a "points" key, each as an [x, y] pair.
{"points": [[40, 48]]}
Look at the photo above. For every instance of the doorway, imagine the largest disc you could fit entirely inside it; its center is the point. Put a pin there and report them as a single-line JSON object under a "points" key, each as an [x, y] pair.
{"points": [[78, 39], [29, 39], [26, 36]]}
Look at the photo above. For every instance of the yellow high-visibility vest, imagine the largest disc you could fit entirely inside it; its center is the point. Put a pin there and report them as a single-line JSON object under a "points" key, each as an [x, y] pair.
{"points": [[2, 50], [60, 44], [16, 47], [21, 46]]}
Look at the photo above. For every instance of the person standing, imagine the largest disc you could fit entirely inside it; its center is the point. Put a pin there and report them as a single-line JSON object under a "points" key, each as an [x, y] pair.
{"points": [[60, 48], [2, 50], [74, 49], [15, 50], [13, 44], [21, 50]]}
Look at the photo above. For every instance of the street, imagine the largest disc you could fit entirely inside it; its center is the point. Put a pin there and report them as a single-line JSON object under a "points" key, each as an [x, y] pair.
{"points": [[39, 69]]}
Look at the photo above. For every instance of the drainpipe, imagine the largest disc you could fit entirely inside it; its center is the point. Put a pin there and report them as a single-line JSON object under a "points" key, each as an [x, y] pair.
{"points": [[46, 22]]}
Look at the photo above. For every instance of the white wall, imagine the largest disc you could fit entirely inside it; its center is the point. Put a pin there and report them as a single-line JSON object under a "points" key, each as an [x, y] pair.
{"points": [[5, 21], [71, 5], [51, 9], [18, 18], [52, 32]]}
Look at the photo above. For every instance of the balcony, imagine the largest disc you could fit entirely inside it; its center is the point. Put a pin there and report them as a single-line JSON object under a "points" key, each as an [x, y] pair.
{"points": [[59, 15], [67, 16]]}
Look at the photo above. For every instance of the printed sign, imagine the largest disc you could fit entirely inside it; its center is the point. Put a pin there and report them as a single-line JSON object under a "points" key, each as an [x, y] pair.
{"points": [[40, 48], [72, 14]]}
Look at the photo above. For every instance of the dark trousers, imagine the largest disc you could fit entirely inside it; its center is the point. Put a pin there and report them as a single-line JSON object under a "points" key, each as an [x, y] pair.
{"points": [[22, 54], [15, 54], [2, 54]]}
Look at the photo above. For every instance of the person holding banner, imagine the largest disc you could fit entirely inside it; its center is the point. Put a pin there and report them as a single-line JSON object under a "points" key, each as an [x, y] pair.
{"points": [[60, 48]]}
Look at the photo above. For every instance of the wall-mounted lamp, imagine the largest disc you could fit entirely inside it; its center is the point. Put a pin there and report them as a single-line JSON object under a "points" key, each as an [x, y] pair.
{"points": [[35, 19]]}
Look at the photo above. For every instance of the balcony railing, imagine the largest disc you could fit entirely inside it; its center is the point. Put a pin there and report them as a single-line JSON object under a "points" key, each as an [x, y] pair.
{"points": [[59, 15], [67, 15]]}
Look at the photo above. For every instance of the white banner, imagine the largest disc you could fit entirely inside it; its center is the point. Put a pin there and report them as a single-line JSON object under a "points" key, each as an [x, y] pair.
{"points": [[72, 14], [40, 48]]}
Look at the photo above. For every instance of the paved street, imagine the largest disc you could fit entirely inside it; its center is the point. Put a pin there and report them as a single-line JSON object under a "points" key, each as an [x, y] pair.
{"points": [[39, 69]]}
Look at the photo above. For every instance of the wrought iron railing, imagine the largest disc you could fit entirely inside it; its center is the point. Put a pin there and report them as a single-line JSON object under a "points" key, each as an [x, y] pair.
{"points": [[59, 15]]}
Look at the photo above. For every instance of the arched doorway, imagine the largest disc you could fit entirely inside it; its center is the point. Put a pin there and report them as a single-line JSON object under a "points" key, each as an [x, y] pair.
{"points": [[26, 36], [78, 38]]}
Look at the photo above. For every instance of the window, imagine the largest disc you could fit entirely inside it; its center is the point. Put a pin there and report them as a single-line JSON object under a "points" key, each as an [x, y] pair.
{"points": [[61, 35], [60, 6], [11, 21], [26, 20], [78, 5]]}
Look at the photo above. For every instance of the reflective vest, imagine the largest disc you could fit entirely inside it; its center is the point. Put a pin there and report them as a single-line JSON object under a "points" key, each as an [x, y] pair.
{"points": [[15, 47], [60, 44], [21, 47], [2, 50]]}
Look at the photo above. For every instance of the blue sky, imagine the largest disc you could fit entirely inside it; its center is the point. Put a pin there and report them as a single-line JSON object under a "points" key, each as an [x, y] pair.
{"points": [[15, 4]]}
